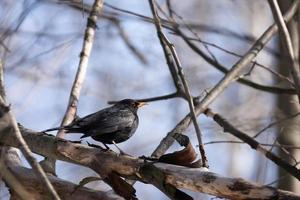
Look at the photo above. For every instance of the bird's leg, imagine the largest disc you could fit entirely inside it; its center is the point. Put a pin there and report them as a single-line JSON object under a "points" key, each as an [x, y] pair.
{"points": [[107, 147], [94, 145], [120, 150]]}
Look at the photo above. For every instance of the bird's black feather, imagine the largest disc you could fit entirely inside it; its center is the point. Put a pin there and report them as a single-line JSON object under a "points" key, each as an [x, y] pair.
{"points": [[113, 124]]}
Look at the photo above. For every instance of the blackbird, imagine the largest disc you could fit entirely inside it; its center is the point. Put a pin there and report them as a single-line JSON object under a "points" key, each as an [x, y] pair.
{"points": [[111, 125]]}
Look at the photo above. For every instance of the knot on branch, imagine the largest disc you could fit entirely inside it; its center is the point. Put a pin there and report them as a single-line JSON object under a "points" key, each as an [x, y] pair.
{"points": [[4, 109], [91, 23]]}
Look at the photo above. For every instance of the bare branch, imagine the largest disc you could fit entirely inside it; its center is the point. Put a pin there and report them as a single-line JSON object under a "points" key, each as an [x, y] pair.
{"points": [[167, 45], [253, 143], [287, 43], [83, 63], [70, 114], [243, 62], [8, 124], [196, 179], [64, 188], [168, 25], [129, 44], [167, 51]]}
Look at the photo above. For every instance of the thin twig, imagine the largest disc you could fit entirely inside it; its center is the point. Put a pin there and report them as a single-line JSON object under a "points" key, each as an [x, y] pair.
{"points": [[222, 68], [202, 105], [158, 98], [263, 144], [276, 123], [166, 24], [186, 25], [287, 43], [167, 45], [243, 62], [129, 43], [167, 51], [275, 73], [229, 128], [80, 75]]}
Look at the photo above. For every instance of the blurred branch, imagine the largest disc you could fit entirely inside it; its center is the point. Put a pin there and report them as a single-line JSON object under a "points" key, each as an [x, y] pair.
{"points": [[179, 76], [233, 73], [8, 32], [287, 43], [277, 122], [86, 8], [196, 179], [12, 182], [129, 43], [228, 78], [9, 125], [253, 143], [65, 189], [168, 25], [263, 144], [80, 75], [171, 62], [204, 27], [223, 68]]}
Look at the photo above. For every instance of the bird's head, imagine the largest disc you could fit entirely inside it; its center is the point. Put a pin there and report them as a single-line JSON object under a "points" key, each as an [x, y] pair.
{"points": [[131, 103]]}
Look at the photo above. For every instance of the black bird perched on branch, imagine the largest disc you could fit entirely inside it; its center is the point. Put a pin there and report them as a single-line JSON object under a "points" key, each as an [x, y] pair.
{"points": [[111, 125]]}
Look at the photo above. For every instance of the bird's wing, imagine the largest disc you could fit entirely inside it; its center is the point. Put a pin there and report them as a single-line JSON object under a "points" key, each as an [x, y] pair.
{"points": [[105, 121]]}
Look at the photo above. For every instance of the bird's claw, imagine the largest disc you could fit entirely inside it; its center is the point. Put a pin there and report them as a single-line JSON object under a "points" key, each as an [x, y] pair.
{"points": [[96, 146], [146, 158]]}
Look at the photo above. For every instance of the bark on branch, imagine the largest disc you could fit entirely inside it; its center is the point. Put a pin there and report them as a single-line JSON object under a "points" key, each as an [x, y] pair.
{"points": [[66, 190], [104, 162]]}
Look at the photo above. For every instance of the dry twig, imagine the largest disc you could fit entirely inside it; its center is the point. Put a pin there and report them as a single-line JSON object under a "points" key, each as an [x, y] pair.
{"points": [[80, 76], [179, 79]]}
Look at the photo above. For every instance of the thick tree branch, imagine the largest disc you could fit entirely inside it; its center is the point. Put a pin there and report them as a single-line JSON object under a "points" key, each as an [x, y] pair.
{"points": [[198, 180]]}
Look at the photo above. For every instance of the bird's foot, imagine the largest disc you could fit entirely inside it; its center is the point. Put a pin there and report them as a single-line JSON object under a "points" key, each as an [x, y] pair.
{"points": [[146, 158], [96, 146]]}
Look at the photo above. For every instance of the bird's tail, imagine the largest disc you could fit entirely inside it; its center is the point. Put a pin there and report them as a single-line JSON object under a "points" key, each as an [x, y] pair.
{"points": [[54, 129]]}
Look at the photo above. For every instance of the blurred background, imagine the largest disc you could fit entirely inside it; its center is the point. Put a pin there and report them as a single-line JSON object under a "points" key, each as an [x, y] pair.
{"points": [[40, 42]]}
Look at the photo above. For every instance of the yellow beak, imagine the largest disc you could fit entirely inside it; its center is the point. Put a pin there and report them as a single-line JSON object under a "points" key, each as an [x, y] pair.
{"points": [[140, 104]]}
